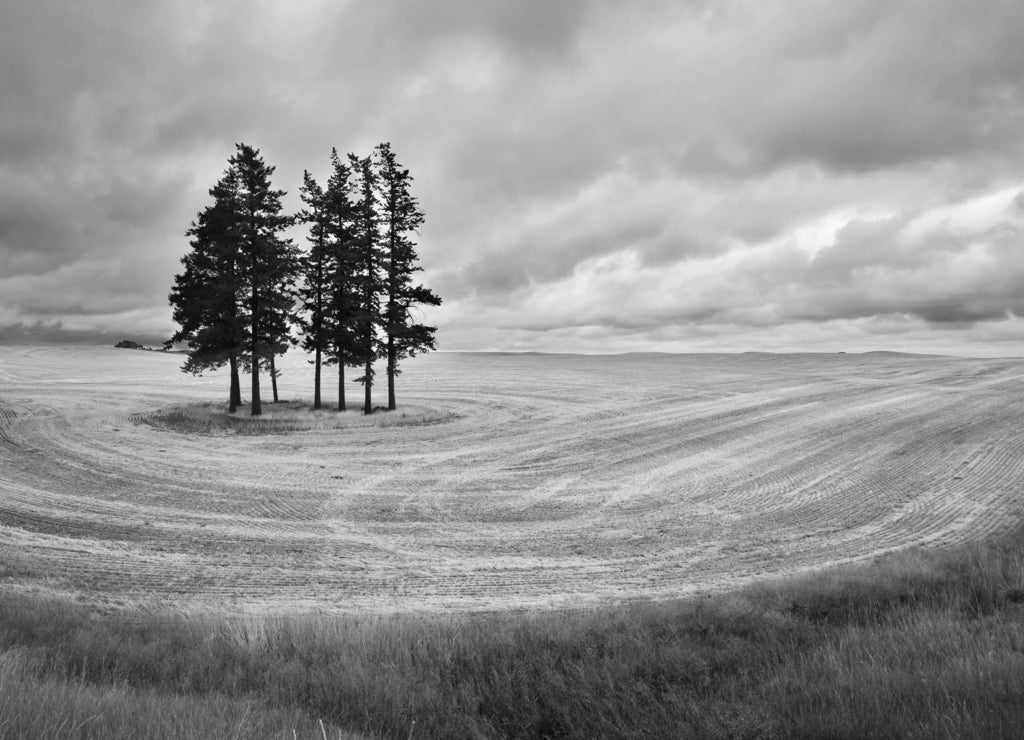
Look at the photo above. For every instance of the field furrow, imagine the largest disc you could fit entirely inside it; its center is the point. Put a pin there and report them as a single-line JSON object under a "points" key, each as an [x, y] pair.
{"points": [[540, 481]]}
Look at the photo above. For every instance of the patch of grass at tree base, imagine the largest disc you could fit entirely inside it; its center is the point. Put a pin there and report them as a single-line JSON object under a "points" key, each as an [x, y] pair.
{"points": [[914, 645], [285, 417]]}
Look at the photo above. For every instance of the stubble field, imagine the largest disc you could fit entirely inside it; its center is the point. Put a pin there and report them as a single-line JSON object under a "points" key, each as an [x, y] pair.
{"points": [[534, 481]]}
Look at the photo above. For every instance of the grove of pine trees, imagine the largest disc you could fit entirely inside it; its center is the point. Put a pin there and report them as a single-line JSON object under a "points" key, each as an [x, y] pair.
{"points": [[246, 288]]}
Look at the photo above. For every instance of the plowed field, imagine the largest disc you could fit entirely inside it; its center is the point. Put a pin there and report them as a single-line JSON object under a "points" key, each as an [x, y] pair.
{"points": [[548, 481]]}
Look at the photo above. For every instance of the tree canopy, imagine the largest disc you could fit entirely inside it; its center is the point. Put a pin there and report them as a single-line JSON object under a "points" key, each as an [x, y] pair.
{"points": [[233, 302], [351, 296]]}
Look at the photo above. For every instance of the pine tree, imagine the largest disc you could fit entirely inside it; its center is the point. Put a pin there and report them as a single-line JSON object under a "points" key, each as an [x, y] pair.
{"points": [[345, 293], [318, 267], [204, 297], [267, 266], [367, 275], [400, 217], [234, 299]]}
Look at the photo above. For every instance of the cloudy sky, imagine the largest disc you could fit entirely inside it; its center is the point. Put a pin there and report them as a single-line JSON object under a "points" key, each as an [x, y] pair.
{"points": [[597, 176]]}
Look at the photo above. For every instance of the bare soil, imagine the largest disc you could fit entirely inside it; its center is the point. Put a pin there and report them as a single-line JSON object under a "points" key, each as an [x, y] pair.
{"points": [[540, 481]]}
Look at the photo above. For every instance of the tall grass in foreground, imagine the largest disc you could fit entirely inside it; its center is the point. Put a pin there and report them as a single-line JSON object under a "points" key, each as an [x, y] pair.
{"points": [[34, 707], [915, 645]]}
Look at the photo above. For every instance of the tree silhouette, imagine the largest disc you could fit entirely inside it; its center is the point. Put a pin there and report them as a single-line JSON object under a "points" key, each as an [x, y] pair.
{"points": [[204, 298], [234, 299], [317, 268], [400, 218], [367, 276], [343, 214], [267, 263]]}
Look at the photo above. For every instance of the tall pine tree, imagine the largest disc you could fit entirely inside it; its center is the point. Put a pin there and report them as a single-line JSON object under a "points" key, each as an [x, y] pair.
{"points": [[367, 274], [400, 218], [317, 267], [343, 213], [268, 263], [204, 298], [234, 299]]}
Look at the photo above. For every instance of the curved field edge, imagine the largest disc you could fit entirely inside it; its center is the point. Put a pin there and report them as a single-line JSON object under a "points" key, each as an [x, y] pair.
{"points": [[552, 482], [916, 644]]}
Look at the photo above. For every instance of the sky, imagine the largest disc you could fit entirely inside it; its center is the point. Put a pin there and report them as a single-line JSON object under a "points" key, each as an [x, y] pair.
{"points": [[597, 176]]}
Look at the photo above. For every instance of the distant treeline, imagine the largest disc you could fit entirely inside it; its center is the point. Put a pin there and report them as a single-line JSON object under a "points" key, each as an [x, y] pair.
{"points": [[350, 295]]}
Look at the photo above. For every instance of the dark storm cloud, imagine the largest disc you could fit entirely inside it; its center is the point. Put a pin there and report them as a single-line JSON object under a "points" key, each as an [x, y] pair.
{"points": [[737, 94], [941, 275], [860, 88], [588, 168], [868, 85], [529, 28]]}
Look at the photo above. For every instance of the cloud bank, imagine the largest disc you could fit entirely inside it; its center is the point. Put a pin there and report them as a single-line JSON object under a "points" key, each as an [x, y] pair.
{"points": [[597, 176]]}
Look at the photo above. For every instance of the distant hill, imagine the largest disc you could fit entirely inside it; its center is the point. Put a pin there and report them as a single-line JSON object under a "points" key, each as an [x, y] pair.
{"points": [[129, 344]]}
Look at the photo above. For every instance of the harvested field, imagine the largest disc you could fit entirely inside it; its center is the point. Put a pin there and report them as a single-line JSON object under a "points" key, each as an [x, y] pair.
{"points": [[514, 481]]}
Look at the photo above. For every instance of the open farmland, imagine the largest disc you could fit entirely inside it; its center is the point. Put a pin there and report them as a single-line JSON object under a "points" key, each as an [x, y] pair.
{"points": [[539, 481]]}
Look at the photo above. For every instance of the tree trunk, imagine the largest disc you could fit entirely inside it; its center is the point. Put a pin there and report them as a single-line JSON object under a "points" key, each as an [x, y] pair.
{"points": [[341, 383], [392, 277], [392, 361], [368, 338], [273, 376], [316, 380], [368, 385], [234, 393], [255, 405]]}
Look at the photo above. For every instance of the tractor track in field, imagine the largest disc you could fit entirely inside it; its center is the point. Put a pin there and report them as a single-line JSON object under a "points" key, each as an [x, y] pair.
{"points": [[550, 481]]}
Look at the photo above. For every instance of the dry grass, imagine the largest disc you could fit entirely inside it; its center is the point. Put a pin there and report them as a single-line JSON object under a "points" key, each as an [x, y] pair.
{"points": [[287, 416], [33, 705], [916, 645]]}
